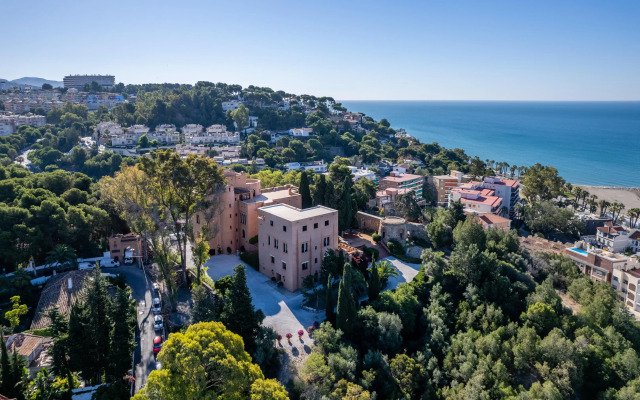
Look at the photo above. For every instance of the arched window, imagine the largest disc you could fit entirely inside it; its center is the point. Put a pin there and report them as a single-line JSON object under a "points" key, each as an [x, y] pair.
{"points": [[243, 233]]}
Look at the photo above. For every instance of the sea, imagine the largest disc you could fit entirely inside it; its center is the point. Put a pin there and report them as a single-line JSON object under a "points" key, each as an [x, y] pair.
{"points": [[589, 143]]}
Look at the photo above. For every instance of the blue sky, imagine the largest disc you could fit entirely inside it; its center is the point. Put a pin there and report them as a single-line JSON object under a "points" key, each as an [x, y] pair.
{"points": [[442, 50]]}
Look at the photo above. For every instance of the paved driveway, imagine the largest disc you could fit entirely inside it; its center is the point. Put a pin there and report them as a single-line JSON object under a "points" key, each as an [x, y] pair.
{"points": [[282, 309]]}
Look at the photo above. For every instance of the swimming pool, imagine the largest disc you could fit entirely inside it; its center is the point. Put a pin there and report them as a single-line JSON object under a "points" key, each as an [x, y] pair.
{"points": [[577, 250]]}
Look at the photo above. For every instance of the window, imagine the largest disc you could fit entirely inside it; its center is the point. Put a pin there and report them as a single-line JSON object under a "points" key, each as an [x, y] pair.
{"points": [[316, 261], [243, 233], [305, 265], [273, 260], [304, 247], [315, 226], [275, 243], [284, 228], [326, 241], [304, 228], [268, 239], [271, 223], [326, 223], [243, 219], [285, 248], [284, 265]]}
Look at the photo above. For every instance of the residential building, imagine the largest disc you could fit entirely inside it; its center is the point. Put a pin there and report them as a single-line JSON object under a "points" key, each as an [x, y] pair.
{"points": [[359, 173], [480, 201], [192, 129], [78, 81], [231, 105], [292, 242], [300, 132], [622, 272], [62, 291], [386, 197], [507, 189], [318, 166], [119, 243], [165, 134], [130, 137], [107, 129], [399, 180], [234, 220], [185, 149], [444, 184], [33, 348], [10, 122], [213, 134], [615, 238], [492, 221]]}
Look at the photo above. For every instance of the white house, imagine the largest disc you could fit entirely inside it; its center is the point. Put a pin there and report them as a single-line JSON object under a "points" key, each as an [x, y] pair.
{"points": [[300, 132], [318, 166], [214, 134], [192, 129], [230, 105]]}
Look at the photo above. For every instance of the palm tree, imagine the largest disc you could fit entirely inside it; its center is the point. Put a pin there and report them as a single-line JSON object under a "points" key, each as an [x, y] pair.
{"points": [[616, 208], [603, 204], [386, 270], [634, 215], [593, 205], [504, 211], [513, 169], [522, 171], [585, 194], [578, 191], [63, 255]]}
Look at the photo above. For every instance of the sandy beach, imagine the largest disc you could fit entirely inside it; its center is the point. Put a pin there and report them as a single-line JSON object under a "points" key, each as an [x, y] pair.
{"points": [[630, 197]]}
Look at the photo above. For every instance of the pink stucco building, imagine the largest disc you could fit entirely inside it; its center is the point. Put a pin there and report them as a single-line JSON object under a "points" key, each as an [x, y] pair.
{"points": [[292, 242], [234, 221]]}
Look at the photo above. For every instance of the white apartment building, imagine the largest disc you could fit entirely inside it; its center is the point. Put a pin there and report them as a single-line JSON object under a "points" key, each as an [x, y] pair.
{"points": [[318, 166], [131, 137], [230, 105], [300, 132], [363, 173], [10, 122], [78, 81], [214, 134], [192, 129], [108, 128]]}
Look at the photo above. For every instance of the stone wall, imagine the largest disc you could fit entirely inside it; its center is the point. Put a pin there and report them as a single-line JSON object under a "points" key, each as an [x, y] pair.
{"points": [[368, 222]]}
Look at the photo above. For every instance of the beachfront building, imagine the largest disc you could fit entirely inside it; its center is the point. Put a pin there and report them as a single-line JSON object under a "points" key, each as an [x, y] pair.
{"points": [[397, 180], [444, 184], [614, 238], [621, 271], [234, 220], [480, 201], [293, 242], [318, 166]]}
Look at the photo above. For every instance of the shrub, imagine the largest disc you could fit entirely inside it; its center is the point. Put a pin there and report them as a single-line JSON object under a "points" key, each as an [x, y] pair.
{"points": [[395, 247], [251, 259], [372, 252], [254, 240], [376, 237]]}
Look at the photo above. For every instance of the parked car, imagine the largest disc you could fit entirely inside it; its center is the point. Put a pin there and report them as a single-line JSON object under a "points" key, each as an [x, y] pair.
{"points": [[156, 306], [157, 345], [156, 288], [157, 323], [86, 265], [110, 264]]}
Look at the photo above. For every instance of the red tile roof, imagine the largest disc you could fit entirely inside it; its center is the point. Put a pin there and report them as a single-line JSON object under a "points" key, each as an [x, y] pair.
{"points": [[635, 235]]}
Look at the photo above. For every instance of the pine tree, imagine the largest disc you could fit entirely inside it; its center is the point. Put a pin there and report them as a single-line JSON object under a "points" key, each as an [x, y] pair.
{"points": [[345, 211], [330, 313], [5, 366], [121, 335], [374, 287], [304, 190], [346, 316], [58, 351], [238, 315], [18, 375], [319, 192]]}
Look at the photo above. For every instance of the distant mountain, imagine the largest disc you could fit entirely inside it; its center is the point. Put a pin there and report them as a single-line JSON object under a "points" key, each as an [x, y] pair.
{"points": [[29, 81]]}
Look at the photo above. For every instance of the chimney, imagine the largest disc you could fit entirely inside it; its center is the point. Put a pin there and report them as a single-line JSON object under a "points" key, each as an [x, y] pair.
{"points": [[70, 283]]}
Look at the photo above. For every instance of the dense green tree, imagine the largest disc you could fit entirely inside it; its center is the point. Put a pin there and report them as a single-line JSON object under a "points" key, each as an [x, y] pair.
{"points": [[204, 306], [469, 232], [122, 335], [143, 142], [319, 190], [407, 206], [304, 190], [346, 314], [241, 117], [329, 304], [542, 182], [239, 315], [345, 206], [374, 286]]}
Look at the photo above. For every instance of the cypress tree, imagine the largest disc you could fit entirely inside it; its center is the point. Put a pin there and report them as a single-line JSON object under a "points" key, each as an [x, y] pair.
{"points": [[329, 194], [319, 192], [346, 316], [238, 315], [5, 366], [304, 190], [330, 313], [17, 374], [374, 287], [345, 211], [121, 335]]}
